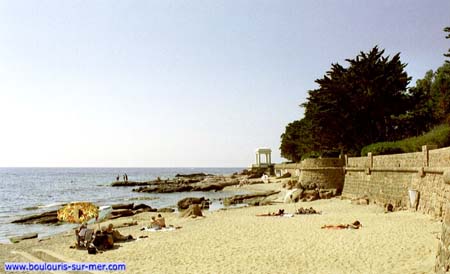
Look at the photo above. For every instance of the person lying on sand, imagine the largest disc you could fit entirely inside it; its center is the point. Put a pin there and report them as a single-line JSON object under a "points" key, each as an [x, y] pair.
{"points": [[355, 225], [279, 213], [310, 210]]}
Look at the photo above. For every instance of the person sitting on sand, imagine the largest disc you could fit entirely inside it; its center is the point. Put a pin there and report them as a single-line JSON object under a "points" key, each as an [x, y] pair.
{"points": [[116, 234], [154, 223], [355, 225], [161, 221]]}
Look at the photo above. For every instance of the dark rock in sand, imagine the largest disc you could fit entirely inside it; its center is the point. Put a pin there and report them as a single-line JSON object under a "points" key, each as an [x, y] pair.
{"points": [[310, 195], [27, 236], [238, 199], [123, 206], [286, 175], [118, 213], [166, 209], [144, 207], [193, 211], [327, 193], [43, 218], [186, 202]]}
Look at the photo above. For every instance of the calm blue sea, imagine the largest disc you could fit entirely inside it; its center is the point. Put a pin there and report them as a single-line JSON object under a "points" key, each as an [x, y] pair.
{"points": [[26, 191]]}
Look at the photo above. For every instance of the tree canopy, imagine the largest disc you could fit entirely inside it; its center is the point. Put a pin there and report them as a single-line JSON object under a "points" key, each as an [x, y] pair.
{"points": [[353, 106]]}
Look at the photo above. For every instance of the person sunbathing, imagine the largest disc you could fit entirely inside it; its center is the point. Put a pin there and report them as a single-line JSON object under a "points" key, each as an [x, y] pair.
{"points": [[355, 225], [117, 236], [310, 210], [279, 213], [161, 221]]}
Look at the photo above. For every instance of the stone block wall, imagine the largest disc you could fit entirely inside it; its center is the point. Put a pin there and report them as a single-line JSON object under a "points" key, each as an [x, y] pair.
{"points": [[443, 254], [325, 172], [386, 179]]}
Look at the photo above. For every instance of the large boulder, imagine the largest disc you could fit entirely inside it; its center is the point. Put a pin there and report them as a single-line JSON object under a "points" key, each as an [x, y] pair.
{"points": [[193, 211], [186, 202], [293, 195], [249, 198]]}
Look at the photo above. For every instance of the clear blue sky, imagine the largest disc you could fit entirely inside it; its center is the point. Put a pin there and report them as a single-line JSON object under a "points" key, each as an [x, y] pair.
{"points": [[183, 83]]}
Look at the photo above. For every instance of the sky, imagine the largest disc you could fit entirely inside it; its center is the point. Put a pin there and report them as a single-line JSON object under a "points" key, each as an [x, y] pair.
{"points": [[184, 83]]}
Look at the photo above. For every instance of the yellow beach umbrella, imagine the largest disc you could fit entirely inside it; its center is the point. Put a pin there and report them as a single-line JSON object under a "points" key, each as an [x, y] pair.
{"points": [[77, 212]]}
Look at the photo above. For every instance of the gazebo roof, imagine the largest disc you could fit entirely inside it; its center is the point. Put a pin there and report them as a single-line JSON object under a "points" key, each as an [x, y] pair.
{"points": [[263, 150]]}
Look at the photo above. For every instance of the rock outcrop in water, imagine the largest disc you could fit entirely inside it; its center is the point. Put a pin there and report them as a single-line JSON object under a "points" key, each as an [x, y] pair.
{"points": [[179, 179], [251, 199], [208, 184], [49, 217]]}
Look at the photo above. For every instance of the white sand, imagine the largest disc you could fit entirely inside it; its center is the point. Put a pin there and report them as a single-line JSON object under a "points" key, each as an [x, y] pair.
{"points": [[236, 241]]}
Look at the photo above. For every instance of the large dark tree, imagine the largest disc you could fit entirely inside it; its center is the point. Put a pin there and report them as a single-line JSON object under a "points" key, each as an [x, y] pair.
{"points": [[447, 29], [296, 140], [356, 106]]}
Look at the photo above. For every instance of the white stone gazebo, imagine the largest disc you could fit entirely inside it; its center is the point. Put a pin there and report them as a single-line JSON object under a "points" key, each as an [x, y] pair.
{"points": [[267, 153]]}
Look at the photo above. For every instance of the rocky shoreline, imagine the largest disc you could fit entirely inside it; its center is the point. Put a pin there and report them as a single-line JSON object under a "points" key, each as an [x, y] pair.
{"points": [[293, 192]]}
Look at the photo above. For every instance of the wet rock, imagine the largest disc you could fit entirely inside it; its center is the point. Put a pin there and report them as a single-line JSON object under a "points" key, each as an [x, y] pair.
{"points": [[144, 207], [123, 206], [207, 185], [49, 217], [130, 183], [27, 236]]}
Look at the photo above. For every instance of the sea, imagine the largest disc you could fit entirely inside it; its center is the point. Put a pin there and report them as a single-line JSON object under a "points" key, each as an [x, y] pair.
{"points": [[28, 191]]}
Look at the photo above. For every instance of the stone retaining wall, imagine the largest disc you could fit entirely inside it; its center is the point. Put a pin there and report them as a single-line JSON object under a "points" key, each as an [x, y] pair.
{"points": [[389, 179], [443, 253], [325, 172]]}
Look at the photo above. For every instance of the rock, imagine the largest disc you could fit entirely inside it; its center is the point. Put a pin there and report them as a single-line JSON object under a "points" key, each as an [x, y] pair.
{"points": [[327, 193], [192, 175], [49, 217], [118, 213], [123, 206], [193, 210], [142, 206], [310, 195], [293, 196], [166, 209], [238, 199], [183, 186], [388, 208], [27, 236], [130, 183], [186, 202], [360, 201], [291, 184], [286, 175]]}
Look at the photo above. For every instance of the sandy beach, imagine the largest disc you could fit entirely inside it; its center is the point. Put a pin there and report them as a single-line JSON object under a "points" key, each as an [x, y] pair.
{"points": [[236, 241]]}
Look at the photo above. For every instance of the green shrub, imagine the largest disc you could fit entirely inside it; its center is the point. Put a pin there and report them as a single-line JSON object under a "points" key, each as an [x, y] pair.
{"points": [[439, 136]]}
